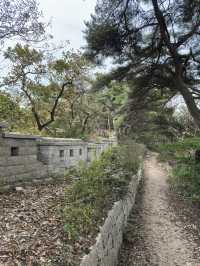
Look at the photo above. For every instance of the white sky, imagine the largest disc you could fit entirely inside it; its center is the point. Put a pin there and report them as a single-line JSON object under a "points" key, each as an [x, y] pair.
{"points": [[68, 18], [67, 23]]}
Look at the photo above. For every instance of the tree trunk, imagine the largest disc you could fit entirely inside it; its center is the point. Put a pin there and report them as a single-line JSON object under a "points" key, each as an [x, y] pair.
{"points": [[189, 100], [197, 156], [85, 124]]}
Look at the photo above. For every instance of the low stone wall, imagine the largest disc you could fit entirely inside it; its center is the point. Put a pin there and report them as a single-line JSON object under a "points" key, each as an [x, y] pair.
{"points": [[18, 160], [60, 154], [105, 251], [27, 158]]}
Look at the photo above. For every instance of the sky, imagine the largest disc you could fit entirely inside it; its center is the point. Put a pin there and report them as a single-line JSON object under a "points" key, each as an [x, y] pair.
{"points": [[67, 23], [67, 19]]}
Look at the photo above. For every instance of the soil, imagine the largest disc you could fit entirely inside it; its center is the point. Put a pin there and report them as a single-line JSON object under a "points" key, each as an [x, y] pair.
{"points": [[32, 228], [163, 229]]}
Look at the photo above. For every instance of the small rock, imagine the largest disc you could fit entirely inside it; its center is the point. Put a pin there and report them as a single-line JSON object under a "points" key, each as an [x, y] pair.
{"points": [[19, 189]]}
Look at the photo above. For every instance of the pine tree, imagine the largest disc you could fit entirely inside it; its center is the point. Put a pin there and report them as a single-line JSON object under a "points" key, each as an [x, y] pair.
{"points": [[154, 44]]}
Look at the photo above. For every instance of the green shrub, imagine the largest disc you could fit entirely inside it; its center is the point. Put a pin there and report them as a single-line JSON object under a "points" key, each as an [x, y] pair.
{"points": [[186, 179], [186, 173], [97, 186], [179, 150], [79, 217]]}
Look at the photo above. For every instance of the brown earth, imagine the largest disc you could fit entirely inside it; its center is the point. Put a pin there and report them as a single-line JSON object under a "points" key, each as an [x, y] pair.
{"points": [[32, 230], [163, 230]]}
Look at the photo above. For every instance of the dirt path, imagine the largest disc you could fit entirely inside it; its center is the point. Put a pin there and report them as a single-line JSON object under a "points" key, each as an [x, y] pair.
{"points": [[156, 235]]}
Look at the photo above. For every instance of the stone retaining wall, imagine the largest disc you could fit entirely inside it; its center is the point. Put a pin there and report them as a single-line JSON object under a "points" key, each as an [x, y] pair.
{"points": [[105, 251]]}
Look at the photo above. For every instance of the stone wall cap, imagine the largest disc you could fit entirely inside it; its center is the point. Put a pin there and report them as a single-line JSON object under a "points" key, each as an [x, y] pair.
{"points": [[60, 141], [99, 142], [19, 136], [94, 144]]}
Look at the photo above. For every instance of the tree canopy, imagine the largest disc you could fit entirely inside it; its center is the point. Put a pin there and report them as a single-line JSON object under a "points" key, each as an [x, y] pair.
{"points": [[42, 79], [20, 18], [155, 46]]}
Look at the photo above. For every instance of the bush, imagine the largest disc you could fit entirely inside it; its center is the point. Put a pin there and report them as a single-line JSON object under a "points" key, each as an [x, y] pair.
{"points": [[186, 172], [186, 179], [97, 186]]}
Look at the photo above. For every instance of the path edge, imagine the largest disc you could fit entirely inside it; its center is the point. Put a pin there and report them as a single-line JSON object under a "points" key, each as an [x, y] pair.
{"points": [[109, 240]]}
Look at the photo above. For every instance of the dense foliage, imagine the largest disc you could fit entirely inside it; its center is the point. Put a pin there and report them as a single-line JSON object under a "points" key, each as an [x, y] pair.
{"points": [[54, 90], [155, 47], [186, 168]]}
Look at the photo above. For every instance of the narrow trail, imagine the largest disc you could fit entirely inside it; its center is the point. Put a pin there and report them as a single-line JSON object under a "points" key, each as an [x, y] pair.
{"points": [[155, 235]]}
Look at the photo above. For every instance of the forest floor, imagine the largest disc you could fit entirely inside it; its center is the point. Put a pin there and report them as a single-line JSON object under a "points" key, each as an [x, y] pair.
{"points": [[32, 228], [164, 229]]}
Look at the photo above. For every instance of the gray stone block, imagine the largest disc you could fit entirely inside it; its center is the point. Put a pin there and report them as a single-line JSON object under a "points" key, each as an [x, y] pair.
{"points": [[4, 189], [17, 160], [108, 243]]}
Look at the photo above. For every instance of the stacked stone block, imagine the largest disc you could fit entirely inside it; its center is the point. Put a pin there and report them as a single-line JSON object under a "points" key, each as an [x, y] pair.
{"points": [[60, 154], [26, 157], [18, 159], [106, 249]]}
